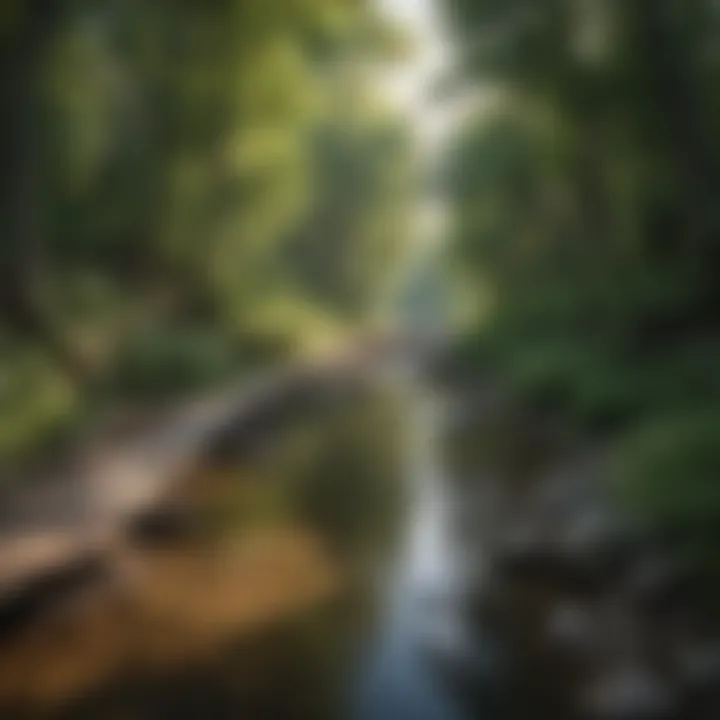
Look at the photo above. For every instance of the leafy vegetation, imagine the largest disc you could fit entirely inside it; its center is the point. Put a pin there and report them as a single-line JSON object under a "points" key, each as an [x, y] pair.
{"points": [[586, 206], [188, 188]]}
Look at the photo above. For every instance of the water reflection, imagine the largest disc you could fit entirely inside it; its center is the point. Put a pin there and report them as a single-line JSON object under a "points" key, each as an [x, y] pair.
{"points": [[425, 639]]}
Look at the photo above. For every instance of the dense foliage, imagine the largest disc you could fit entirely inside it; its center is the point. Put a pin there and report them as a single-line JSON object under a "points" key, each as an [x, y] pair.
{"points": [[586, 201], [186, 187]]}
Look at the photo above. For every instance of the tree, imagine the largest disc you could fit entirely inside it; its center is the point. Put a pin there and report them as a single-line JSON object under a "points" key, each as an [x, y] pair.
{"points": [[586, 203], [160, 161]]}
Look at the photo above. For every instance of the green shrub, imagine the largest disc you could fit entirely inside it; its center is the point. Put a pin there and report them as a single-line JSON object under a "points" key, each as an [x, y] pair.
{"points": [[166, 362], [667, 475], [37, 402]]}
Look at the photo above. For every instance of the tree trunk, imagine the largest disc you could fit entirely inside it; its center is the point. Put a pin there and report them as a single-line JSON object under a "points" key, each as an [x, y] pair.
{"points": [[680, 116], [25, 278]]}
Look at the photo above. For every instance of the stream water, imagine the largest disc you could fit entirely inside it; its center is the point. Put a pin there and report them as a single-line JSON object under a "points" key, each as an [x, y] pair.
{"points": [[425, 638]]}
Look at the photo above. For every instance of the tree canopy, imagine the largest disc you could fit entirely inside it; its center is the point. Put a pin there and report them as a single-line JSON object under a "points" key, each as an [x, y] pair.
{"points": [[585, 202], [184, 188]]}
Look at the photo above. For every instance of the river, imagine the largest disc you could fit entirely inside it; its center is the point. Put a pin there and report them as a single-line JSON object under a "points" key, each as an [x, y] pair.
{"points": [[426, 648]]}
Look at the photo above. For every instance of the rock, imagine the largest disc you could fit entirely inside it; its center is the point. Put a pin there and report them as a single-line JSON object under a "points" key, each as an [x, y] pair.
{"points": [[163, 525], [544, 561], [699, 666], [630, 692], [660, 585], [525, 553], [570, 628], [602, 545]]}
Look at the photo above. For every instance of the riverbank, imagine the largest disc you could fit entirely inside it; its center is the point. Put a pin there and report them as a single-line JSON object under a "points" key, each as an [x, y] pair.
{"points": [[602, 620]]}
